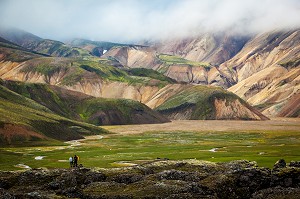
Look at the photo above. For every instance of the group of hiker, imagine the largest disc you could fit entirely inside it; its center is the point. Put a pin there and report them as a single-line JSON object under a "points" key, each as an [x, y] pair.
{"points": [[74, 161]]}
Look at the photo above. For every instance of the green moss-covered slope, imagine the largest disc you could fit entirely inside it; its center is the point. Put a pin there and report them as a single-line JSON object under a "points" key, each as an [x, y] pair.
{"points": [[23, 120], [199, 102], [117, 111], [172, 59], [81, 107], [144, 72]]}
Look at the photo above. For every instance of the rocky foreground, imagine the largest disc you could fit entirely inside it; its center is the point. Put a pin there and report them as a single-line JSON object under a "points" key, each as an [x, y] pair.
{"points": [[159, 179]]}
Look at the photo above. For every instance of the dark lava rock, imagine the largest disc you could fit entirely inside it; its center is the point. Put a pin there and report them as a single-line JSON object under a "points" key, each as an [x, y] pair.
{"points": [[280, 164], [159, 179], [127, 178], [178, 175], [294, 164], [5, 195], [277, 193]]}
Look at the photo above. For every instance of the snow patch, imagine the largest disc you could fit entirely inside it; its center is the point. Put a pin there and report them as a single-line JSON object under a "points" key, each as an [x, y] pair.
{"points": [[39, 157]]}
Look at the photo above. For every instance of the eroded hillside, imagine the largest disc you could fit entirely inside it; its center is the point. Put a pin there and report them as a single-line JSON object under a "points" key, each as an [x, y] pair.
{"points": [[262, 69]]}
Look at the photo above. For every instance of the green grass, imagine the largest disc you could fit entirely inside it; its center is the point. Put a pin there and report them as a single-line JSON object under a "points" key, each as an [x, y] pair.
{"points": [[144, 72], [172, 59], [265, 147]]}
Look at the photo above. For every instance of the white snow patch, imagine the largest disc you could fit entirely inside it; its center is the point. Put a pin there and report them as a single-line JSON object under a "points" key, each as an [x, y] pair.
{"points": [[39, 157], [104, 51]]}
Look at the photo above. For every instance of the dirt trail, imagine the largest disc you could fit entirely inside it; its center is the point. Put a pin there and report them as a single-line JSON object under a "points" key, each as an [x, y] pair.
{"points": [[288, 124]]}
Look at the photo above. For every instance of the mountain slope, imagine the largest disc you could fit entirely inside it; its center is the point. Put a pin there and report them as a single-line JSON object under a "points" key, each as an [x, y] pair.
{"points": [[12, 52], [81, 107], [267, 70], [202, 102], [207, 47], [20, 37], [134, 56], [25, 122]]}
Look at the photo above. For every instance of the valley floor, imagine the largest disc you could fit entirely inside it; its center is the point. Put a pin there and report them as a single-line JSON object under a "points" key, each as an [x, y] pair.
{"points": [[219, 141], [275, 124]]}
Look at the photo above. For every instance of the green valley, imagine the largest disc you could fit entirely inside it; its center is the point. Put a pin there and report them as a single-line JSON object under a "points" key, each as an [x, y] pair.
{"points": [[264, 147]]}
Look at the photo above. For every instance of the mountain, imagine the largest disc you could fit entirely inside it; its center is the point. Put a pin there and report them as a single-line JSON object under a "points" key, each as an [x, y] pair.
{"points": [[25, 122], [262, 69], [45, 46], [125, 72], [85, 108], [267, 71], [109, 82], [206, 103], [37, 114]]}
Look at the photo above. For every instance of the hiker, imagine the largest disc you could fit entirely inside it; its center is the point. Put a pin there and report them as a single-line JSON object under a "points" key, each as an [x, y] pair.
{"points": [[76, 158], [71, 161]]}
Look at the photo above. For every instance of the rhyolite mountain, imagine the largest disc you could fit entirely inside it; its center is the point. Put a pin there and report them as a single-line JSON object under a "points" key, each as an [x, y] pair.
{"points": [[262, 69], [251, 66], [100, 78]]}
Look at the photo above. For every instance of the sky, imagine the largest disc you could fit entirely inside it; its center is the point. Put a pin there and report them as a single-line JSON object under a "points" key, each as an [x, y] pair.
{"points": [[136, 20]]}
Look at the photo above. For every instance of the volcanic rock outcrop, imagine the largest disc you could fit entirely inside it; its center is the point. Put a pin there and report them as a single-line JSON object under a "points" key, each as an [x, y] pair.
{"points": [[159, 179]]}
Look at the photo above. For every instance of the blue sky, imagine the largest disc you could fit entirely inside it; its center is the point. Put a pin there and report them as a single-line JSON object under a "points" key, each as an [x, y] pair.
{"points": [[135, 20]]}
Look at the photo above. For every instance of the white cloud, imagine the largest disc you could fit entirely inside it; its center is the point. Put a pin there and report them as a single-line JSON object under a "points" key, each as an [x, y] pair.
{"points": [[132, 20]]}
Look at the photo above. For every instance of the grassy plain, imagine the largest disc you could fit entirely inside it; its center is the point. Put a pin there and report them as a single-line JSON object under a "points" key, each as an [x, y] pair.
{"points": [[261, 141]]}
